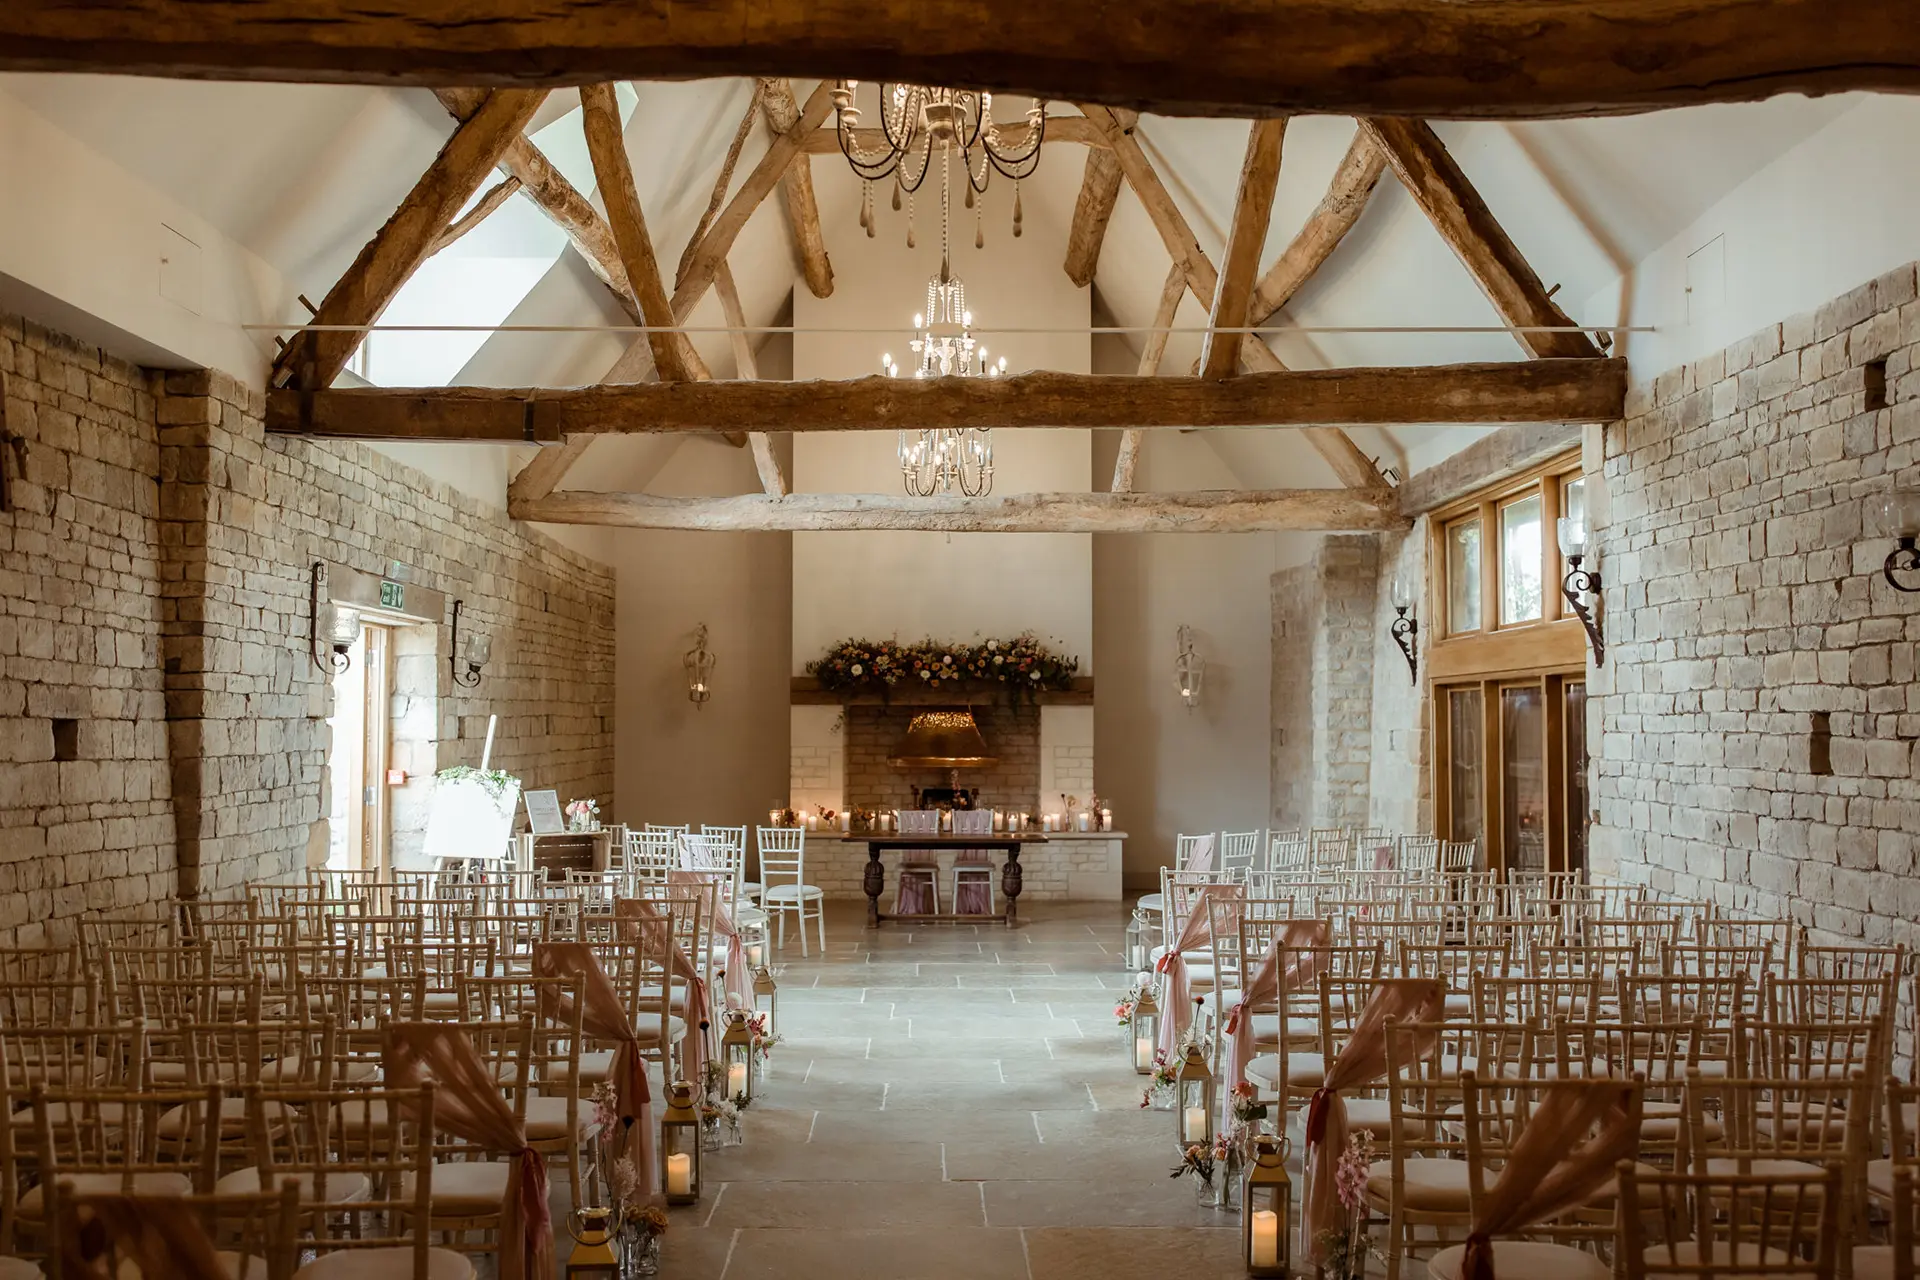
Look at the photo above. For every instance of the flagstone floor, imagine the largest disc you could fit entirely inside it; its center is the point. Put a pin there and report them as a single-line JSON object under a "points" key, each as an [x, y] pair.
{"points": [[952, 1101]]}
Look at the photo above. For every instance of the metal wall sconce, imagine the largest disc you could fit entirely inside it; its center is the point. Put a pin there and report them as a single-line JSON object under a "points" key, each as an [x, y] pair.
{"points": [[1189, 669], [478, 649], [1405, 628], [699, 664], [1900, 516], [330, 635], [1580, 583]]}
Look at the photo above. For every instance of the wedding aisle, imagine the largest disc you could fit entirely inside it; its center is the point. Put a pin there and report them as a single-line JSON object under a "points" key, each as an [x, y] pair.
{"points": [[952, 1102]]}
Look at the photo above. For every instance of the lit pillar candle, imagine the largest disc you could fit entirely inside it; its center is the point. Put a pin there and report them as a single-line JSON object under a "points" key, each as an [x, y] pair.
{"points": [[1266, 1238], [1143, 1050], [679, 1175], [736, 1079], [1196, 1123]]}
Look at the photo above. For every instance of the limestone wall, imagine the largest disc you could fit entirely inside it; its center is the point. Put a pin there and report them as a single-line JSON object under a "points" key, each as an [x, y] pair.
{"points": [[1746, 615], [154, 626]]}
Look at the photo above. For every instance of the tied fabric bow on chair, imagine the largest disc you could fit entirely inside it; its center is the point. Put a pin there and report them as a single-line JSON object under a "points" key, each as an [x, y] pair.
{"points": [[467, 1104], [1304, 942], [1545, 1174], [739, 982], [604, 1018], [693, 1049], [1362, 1061], [151, 1233], [1177, 1006]]}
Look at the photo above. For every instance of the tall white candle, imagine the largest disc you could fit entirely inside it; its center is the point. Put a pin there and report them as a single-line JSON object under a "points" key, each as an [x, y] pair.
{"points": [[679, 1175], [1196, 1123], [736, 1079], [1143, 1051], [1266, 1238]]}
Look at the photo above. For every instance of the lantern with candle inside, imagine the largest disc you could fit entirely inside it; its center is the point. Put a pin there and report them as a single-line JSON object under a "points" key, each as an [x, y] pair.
{"points": [[680, 1146], [765, 995], [1146, 1027], [1266, 1210], [736, 1056], [1133, 954], [1193, 1099]]}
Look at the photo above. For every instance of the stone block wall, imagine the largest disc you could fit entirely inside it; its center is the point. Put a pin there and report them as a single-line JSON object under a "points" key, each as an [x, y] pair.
{"points": [[1752, 730], [1324, 642], [1012, 734], [155, 628]]}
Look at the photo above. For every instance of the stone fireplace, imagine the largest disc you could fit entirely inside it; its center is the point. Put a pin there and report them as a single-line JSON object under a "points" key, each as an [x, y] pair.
{"points": [[1012, 734]]}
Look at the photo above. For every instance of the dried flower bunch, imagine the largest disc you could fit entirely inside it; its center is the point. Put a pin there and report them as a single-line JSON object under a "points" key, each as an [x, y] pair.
{"points": [[1021, 663]]}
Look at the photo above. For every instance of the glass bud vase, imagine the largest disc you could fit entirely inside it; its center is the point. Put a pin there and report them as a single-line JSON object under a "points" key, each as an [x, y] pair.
{"points": [[639, 1255]]}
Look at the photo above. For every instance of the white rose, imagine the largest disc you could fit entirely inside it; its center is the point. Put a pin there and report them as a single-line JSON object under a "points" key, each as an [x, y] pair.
{"points": [[857, 669]]}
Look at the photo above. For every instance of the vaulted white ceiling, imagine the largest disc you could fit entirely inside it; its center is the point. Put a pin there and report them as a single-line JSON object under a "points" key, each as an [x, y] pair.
{"points": [[304, 175]]}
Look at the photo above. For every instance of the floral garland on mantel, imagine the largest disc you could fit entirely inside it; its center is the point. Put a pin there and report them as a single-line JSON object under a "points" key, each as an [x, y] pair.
{"points": [[1021, 664]]}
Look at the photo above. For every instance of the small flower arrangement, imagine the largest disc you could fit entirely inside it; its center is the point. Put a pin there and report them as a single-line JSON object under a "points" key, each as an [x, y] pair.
{"points": [[763, 1037], [1197, 1161], [649, 1220], [495, 782], [1246, 1108], [1124, 1007], [1159, 1090], [583, 815], [1344, 1249]]}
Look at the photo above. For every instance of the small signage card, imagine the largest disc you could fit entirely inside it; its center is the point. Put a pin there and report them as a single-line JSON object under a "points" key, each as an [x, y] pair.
{"points": [[543, 813]]}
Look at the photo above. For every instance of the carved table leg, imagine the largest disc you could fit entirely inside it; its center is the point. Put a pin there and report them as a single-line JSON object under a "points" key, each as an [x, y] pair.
{"points": [[1010, 877], [874, 881]]}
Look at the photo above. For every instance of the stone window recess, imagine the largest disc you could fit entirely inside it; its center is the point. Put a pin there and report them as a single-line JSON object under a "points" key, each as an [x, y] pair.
{"points": [[66, 739]]}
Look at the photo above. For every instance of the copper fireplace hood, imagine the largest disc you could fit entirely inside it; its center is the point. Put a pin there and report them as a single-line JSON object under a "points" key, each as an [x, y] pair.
{"points": [[947, 739]]}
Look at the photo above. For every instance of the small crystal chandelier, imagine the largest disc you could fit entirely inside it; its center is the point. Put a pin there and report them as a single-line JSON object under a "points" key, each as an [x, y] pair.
{"points": [[915, 121], [940, 459]]}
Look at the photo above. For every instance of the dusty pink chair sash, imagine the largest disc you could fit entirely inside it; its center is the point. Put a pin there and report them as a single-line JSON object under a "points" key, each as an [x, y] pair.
{"points": [[693, 1048], [737, 981], [1200, 857], [1546, 1174], [1303, 943], [1176, 1004], [151, 1233], [467, 1104], [604, 1018], [1361, 1062]]}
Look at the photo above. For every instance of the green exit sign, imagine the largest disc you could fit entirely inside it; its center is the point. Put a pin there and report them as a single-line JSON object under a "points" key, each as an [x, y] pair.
{"points": [[393, 595]]}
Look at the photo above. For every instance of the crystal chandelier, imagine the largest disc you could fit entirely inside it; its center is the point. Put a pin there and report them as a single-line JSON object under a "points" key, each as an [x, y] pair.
{"points": [[941, 459], [918, 120]]}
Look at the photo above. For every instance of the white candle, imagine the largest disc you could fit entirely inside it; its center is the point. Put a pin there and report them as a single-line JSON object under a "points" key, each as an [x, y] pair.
{"points": [[1143, 1051], [1084, 821], [1266, 1238], [999, 821], [736, 1079], [1106, 819], [1196, 1123], [846, 821], [679, 1175], [813, 822]]}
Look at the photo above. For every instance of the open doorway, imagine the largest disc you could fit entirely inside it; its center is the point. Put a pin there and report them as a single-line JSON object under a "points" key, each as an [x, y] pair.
{"points": [[358, 760]]}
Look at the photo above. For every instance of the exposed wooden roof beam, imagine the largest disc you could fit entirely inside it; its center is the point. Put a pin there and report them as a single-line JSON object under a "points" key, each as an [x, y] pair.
{"points": [[1422, 58], [748, 368], [1099, 190], [316, 357], [1515, 391], [1441, 188], [572, 212], [1246, 240], [606, 144], [1353, 467], [497, 195], [782, 112], [1346, 199], [545, 470], [1151, 353], [1212, 511]]}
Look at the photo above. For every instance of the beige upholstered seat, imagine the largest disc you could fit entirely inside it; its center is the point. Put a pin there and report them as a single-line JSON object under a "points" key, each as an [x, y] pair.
{"points": [[1870, 1262], [109, 1184], [1524, 1258], [20, 1269], [346, 1186], [465, 1188], [1432, 1186], [385, 1264], [1686, 1253]]}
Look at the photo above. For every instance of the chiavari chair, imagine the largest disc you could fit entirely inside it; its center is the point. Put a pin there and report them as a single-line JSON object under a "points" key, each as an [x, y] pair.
{"points": [[56, 1002], [1289, 852], [1894, 1260], [235, 1056], [360, 1007], [470, 1181], [124, 968], [1850, 963], [102, 1141], [1533, 998], [1644, 934], [1454, 965], [40, 964], [1421, 1187], [443, 965], [1902, 1104], [254, 1235], [1736, 931], [1768, 1226], [1664, 1056]]}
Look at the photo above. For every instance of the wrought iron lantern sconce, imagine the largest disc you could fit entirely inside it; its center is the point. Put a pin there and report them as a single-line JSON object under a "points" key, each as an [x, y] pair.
{"points": [[1405, 628], [478, 649], [1189, 670], [1580, 583], [330, 634], [1900, 515], [699, 664]]}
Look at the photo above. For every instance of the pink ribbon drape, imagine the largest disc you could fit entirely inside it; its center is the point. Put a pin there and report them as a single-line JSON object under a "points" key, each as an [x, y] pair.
{"points": [[467, 1104], [1300, 947], [149, 1232], [1200, 857], [693, 1047], [603, 1017], [738, 983], [1362, 1061], [1176, 1005], [1546, 1174]]}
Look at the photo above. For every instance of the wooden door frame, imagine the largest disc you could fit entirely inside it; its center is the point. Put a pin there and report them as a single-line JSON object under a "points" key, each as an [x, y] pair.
{"points": [[376, 744]]}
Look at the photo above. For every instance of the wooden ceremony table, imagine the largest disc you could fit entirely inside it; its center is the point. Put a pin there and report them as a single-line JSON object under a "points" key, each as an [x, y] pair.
{"points": [[874, 879]]}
